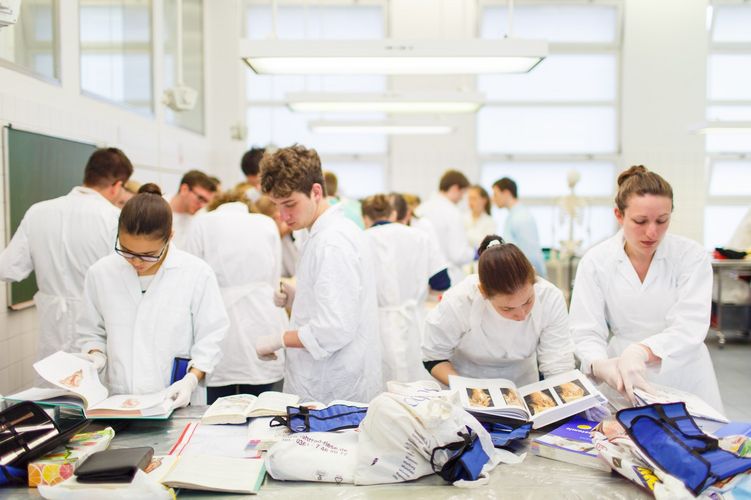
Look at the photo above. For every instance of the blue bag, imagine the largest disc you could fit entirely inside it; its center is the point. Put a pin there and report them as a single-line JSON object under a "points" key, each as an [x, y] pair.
{"points": [[329, 419], [466, 459], [668, 435], [504, 434]]}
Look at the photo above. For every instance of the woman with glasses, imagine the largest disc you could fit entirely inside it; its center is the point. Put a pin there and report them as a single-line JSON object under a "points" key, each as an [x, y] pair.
{"points": [[504, 322], [245, 251], [150, 303]]}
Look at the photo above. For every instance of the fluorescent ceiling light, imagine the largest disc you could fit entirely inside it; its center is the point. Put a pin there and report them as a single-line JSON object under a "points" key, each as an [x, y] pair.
{"points": [[723, 127], [387, 127], [387, 102], [392, 57]]}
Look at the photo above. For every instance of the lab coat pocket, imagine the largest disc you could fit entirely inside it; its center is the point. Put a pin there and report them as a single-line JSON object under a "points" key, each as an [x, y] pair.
{"points": [[174, 333]]}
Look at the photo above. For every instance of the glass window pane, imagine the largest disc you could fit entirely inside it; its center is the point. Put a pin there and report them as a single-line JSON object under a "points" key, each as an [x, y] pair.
{"points": [[555, 23], [596, 178], [333, 23], [720, 222], [32, 42], [729, 76], [557, 78], [729, 142], [357, 180], [278, 126], [731, 23], [730, 178], [546, 129], [116, 51], [729, 113], [192, 60]]}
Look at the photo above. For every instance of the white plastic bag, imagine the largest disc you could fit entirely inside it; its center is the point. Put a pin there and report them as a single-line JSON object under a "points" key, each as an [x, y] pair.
{"points": [[401, 430], [141, 488], [328, 457]]}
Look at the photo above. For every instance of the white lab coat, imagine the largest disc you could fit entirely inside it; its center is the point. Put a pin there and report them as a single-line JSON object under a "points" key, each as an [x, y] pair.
{"points": [[403, 265], [181, 227], [448, 223], [336, 315], [478, 229], [521, 230], [60, 239], [180, 314], [466, 330], [244, 250], [669, 312]]}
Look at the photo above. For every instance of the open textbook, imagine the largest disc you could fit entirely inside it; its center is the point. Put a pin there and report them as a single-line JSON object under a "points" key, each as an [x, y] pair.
{"points": [[696, 406], [542, 403], [238, 408], [208, 473], [78, 384]]}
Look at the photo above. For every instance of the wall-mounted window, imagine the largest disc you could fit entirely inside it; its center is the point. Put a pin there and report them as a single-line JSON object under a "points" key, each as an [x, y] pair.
{"points": [[358, 160], [728, 99], [116, 52], [192, 60], [32, 43], [560, 116]]}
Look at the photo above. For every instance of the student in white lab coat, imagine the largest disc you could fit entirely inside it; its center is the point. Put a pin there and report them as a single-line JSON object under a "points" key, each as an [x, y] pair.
{"points": [[478, 221], [60, 239], [448, 222], [404, 267], [195, 192], [332, 348], [149, 303], [520, 227], [244, 251], [504, 322], [652, 291]]}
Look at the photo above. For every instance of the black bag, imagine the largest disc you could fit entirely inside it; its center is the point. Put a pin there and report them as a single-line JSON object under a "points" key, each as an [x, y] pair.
{"points": [[28, 431]]}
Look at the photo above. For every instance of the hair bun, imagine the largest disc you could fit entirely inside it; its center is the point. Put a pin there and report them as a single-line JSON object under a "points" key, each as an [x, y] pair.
{"points": [[490, 240], [631, 172], [150, 188]]}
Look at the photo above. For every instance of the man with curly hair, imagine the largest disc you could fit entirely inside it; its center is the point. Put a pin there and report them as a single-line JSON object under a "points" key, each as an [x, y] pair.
{"points": [[332, 349]]}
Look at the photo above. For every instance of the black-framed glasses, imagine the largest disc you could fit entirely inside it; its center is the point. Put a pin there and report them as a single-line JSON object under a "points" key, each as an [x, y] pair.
{"points": [[144, 257], [200, 197]]}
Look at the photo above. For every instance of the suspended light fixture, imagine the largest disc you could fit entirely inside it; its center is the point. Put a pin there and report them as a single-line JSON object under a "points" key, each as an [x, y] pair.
{"points": [[392, 57], [385, 127], [723, 127], [386, 102]]}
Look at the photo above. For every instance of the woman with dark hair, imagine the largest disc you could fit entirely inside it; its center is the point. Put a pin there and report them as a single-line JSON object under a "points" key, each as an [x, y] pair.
{"points": [[148, 303], [504, 322], [641, 305], [478, 221]]}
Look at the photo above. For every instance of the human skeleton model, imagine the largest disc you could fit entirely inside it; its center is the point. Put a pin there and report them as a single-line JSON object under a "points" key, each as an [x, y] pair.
{"points": [[573, 208]]}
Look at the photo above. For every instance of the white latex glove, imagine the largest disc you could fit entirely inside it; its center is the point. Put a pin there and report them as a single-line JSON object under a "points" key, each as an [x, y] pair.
{"points": [[632, 366], [606, 370], [97, 358], [267, 346], [181, 390], [285, 296], [598, 413]]}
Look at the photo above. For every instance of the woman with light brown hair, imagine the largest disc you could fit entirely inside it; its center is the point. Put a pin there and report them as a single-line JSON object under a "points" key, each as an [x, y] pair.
{"points": [[504, 322], [641, 305]]}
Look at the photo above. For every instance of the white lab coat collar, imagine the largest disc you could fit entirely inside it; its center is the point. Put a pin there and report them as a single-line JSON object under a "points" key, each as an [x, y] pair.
{"points": [[130, 277], [87, 191], [235, 206], [660, 253], [326, 219]]}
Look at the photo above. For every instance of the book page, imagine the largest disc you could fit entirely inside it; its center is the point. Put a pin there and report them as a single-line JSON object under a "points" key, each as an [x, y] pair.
{"points": [[73, 374], [229, 410], [215, 473], [560, 396], [145, 404], [696, 406], [224, 440], [271, 404], [488, 395]]}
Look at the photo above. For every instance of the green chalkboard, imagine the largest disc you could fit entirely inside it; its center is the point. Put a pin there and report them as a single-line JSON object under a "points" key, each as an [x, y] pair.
{"points": [[38, 167]]}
